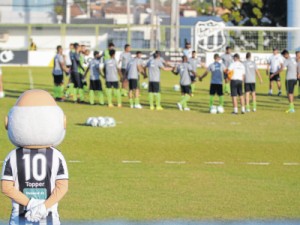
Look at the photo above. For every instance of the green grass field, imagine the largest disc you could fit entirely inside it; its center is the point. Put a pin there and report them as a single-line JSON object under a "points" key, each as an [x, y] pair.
{"points": [[102, 187]]}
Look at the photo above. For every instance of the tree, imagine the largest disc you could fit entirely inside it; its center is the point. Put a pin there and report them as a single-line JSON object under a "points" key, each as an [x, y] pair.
{"points": [[247, 12]]}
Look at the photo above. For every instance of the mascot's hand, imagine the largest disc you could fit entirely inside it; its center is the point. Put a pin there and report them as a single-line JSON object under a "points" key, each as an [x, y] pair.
{"points": [[36, 212]]}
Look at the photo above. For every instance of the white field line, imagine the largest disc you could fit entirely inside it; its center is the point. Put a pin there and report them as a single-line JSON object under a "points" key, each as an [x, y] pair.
{"points": [[291, 164], [214, 163], [74, 161], [175, 162], [132, 162], [258, 163]]}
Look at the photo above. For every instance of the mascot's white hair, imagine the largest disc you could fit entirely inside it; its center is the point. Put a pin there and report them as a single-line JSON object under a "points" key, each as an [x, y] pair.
{"points": [[36, 121]]}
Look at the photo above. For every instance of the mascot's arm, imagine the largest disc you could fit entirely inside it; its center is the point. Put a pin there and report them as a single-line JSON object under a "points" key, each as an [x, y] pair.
{"points": [[9, 190], [61, 188]]}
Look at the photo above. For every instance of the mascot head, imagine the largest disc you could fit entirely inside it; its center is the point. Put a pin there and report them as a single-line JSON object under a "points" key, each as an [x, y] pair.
{"points": [[36, 121]]}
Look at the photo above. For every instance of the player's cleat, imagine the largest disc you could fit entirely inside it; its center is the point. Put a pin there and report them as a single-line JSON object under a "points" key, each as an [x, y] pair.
{"points": [[248, 110], [131, 106], [119, 105], [111, 106], [179, 106], [159, 108], [243, 111], [290, 111], [279, 93], [138, 106], [270, 93], [187, 109], [254, 110], [151, 107], [234, 113]]}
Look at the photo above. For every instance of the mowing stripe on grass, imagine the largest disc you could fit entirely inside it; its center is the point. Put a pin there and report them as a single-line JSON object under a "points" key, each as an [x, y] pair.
{"points": [[134, 161], [214, 163], [291, 164], [258, 163], [175, 162]]}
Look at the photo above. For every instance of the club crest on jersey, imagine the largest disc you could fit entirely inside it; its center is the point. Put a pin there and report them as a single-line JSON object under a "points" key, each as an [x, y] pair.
{"points": [[208, 37]]}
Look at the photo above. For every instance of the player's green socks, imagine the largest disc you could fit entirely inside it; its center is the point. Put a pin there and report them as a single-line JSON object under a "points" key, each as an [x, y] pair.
{"points": [[158, 100], [70, 89], [81, 94], [248, 107], [55, 94], [187, 98], [61, 91], [292, 106], [109, 96], [74, 94], [136, 101], [211, 101], [151, 100], [117, 93], [254, 105], [221, 100], [131, 102], [92, 97], [182, 100], [101, 97], [193, 86], [124, 92]]}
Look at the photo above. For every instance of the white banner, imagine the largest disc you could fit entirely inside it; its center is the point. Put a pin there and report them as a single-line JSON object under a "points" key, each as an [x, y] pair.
{"points": [[261, 59]]}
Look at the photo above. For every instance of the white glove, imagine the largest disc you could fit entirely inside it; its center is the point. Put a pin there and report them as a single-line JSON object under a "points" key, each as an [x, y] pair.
{"points": [[33, 203], [37, 213]]}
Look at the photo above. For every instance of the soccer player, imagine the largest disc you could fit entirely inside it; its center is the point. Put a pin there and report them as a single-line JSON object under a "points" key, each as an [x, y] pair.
{"points": [[125, 58], [236, 73], [250, 80], [106, 53], [112, 79], [298, 70], [275, 64], [95, 82], [291, 77], [187, 51], [184, 70], [70, 86], [154, 66], [227, 60], [217, 70], [75, 75], [135, 67], [2, 94], [194, 63], [58, 74], [81, 69]]}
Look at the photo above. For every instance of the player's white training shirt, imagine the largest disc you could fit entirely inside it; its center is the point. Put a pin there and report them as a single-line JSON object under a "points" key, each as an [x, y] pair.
{"points": [[238, 70], [34, 173], [274, 61]]}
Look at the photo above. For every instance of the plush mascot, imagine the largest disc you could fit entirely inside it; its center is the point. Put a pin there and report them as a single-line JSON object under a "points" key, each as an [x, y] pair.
{"points": [[35, 174]]}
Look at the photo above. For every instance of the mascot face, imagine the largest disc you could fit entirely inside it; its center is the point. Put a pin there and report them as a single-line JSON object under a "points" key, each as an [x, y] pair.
{"points": [[36, 121]]}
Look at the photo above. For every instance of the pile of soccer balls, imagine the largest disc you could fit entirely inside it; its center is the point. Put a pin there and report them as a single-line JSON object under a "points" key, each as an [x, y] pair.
{"points": [[101, 122], [214, 109]]}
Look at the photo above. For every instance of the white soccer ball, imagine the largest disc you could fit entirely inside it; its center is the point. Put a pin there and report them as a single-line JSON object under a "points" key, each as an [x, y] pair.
{"points": [[176, 87], [101, 122], [88, 121], [110, 122], [213, 110], [220, 109], [94, 122], [144, 85]]}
